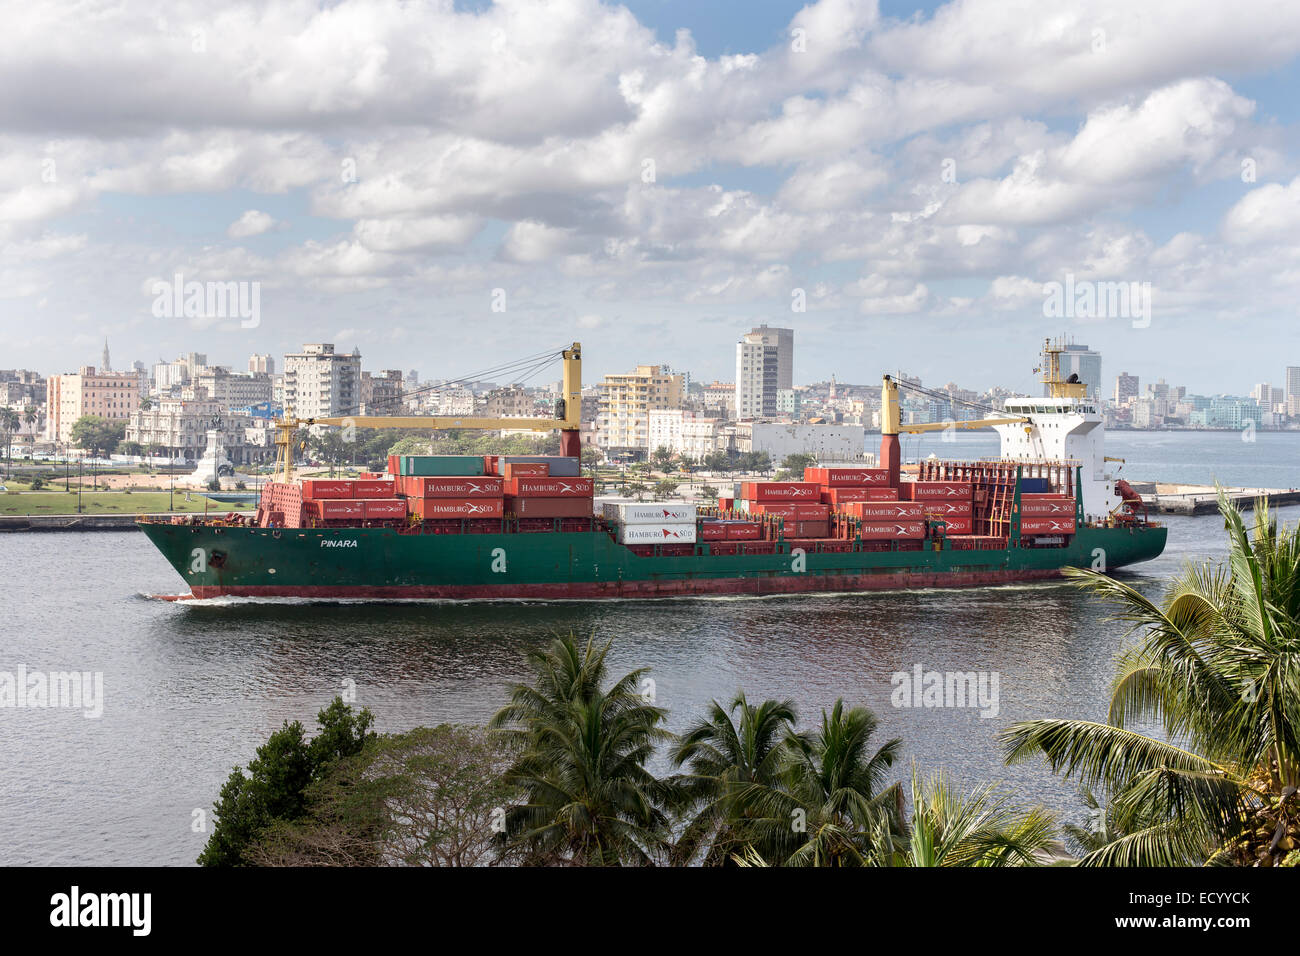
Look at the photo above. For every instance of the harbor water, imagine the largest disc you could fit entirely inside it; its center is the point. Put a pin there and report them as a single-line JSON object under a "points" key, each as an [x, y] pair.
{"points": [[190, 689]]}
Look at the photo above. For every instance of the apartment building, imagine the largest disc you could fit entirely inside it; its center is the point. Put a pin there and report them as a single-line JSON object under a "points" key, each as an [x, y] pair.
{"points": [[319, 382], [112, 395], [623, 412]]}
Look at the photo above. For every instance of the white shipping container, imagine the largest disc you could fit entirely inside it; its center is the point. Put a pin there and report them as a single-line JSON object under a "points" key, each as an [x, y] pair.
{"points": [[625, 513], [656, 533]]}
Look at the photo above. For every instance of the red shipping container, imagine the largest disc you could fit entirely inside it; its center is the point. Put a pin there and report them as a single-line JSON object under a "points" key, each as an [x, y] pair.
{"points": [[763, 491], [394, 465], [958, 525], [726, 504], [712, 531], [940, 490], [793, 511], [898, 530], [844, 496], [374, 488], [549, 487], [451, 487], [1047, 525], [876, 511], [810, 529], [315, 489], [385, 507], [549, 507], [744, 530], [490, 464], [526, 469], [1045, 507], [947, 509], [436, 508], [335, 509], [851, 477]]}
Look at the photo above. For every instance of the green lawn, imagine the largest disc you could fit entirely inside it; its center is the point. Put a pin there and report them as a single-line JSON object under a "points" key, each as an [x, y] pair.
{"points": [[103, 503]]}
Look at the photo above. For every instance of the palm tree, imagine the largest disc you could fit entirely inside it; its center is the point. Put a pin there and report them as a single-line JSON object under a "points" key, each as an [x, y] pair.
{"points": [[725, 759], [979, 829], [581, 752], [9, 422], [1217, 667], [828, 806]]}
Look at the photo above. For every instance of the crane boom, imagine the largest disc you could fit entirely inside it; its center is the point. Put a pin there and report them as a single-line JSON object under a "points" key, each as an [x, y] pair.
{"points": [[568, 419]]}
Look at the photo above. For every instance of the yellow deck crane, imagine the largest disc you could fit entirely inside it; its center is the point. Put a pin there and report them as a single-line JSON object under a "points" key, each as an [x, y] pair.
{"points": [[891, 426], [567, 420]]}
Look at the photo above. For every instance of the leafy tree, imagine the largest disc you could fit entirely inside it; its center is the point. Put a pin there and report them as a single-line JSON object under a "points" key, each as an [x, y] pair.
{"points": [[97, 435], [588, 798], [663, 458], [797, 463], [709, 493], [1216, 669], [665, 488], [274, 789], [130, 448], [9, 424], [430, 797]]}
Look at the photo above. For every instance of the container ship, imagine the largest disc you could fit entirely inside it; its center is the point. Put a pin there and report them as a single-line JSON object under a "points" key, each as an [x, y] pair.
{"points": [[530, 527]]}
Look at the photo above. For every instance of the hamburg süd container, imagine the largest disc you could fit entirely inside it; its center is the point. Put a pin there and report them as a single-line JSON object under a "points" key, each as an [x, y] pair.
{"points": [[656, 533], [764, 491], [894, 530], [551, 487], [430, 508], [314, 489], [452, 487], [886, 510], [629, 513], [385, 507], [548, 507], [847, 476]]}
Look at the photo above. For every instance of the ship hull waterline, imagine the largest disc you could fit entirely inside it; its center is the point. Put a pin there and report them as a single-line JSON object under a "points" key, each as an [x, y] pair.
{"points": [[381, 564]]}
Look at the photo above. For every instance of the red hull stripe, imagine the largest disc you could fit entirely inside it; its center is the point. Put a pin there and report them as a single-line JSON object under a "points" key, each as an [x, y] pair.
{"points": [[642, 589]]}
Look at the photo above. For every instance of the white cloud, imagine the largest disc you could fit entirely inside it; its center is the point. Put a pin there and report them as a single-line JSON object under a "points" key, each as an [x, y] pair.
{"points": [[252, 223]]}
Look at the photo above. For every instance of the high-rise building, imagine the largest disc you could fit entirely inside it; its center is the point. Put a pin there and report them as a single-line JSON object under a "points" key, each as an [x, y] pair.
{"points": [[265, 364], [764, 366], [382, 392], [319, 382], [1126, 388], [1293, 390], [112, 395], [623, 413]]}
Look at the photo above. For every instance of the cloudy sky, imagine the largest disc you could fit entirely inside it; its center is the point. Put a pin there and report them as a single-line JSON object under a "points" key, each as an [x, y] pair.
{"points": [[653, 178]]}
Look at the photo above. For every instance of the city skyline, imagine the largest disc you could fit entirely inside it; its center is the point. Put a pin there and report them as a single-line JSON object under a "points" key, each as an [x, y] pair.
{"points": [[898, 183]]}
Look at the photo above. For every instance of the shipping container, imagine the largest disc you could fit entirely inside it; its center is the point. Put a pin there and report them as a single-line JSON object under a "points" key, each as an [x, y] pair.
{"points": [[726, 504], [335, 509], [374, 488], [394, 464], [1047, 507], [711, 530], [838, 497], [558, 466], [847, 476], [743, 530], [430, 508], [1047, 525], [441, 465], [549, 487], [1034, 486], [896, 530], [764, 491], [526, 469], [314, 489], [486, 487], [549, 507], [793, 511], [886, 510], [808, 529], [947, 509], [656, 533], [939, 490], [385, 508], [628, 513]]}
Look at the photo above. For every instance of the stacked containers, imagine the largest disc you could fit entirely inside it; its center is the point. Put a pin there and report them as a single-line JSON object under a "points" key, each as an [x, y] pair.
{"points": [[949, 501], [653, 524], [346, 502], [1046, 514], [281, 505], [546, 496], [450, 497]]}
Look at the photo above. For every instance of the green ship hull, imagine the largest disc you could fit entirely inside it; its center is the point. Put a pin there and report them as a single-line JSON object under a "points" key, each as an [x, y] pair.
{"points": [[382, 563]]}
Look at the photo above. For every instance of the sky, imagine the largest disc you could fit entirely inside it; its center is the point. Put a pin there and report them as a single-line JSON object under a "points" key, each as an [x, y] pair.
{"points": [[451, 186]]}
